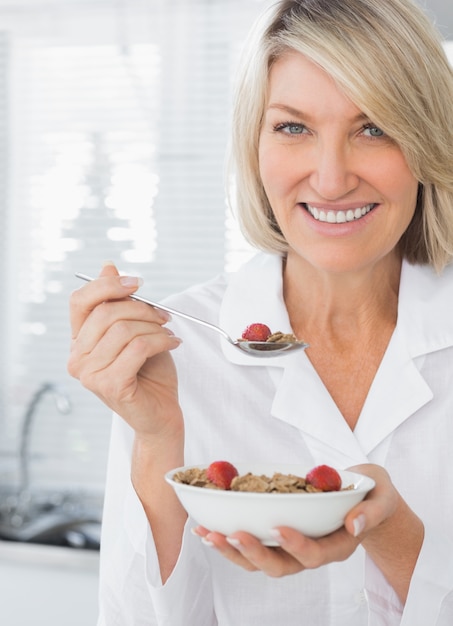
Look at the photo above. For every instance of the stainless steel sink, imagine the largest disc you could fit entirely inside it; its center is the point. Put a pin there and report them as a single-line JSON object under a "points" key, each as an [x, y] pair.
{"points": [[52, 518], [30, 515]]}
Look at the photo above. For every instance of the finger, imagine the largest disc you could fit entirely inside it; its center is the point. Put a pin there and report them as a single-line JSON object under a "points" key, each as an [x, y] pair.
{"points": [[102, 347], [220, 543], [137, 336], [107, 287], [273, 561], [109, 269], [117, 382], [249, 553], [294, 554], [315, 552], [116, 315], [129, 343]]}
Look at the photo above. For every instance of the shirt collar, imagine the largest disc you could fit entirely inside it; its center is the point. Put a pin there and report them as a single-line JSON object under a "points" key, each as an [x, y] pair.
{"points": [[425, 308], [425, 325], [255, 294]]}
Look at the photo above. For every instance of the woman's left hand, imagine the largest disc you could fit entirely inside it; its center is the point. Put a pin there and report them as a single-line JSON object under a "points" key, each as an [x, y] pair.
{"points": [[376, 520]]}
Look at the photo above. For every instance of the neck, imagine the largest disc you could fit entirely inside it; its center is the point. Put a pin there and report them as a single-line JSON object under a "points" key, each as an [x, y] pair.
{"points": [[346, 305], [347, 319]]}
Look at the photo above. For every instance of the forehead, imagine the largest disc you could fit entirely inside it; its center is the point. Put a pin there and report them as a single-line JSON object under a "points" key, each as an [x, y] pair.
{"points": [[298, 84]]}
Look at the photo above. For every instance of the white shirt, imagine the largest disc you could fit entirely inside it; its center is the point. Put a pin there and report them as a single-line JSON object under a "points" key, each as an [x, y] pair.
{"points": [[241, 408]]}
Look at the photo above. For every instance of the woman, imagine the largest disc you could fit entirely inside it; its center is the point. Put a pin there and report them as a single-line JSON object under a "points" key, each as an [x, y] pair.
{"points": [[343, 154]]}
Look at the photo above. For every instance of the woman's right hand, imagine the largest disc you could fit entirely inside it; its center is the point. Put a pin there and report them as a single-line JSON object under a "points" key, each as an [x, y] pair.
{"points": [[120, 351]]}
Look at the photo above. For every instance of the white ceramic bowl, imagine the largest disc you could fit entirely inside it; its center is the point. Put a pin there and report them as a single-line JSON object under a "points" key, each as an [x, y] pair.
{"points": [[313, 514]]}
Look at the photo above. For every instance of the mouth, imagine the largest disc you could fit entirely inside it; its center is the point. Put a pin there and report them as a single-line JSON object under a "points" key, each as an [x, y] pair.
{"points": [[339, 217]]}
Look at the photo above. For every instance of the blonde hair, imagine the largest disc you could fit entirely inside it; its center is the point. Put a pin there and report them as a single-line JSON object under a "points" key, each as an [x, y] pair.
{"points": [[388, 59]]}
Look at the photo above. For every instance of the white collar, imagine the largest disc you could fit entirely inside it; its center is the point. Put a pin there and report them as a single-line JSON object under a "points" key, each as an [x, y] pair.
{"points": [[254, 294], [425, 308], [425, 324], [424, 313]]}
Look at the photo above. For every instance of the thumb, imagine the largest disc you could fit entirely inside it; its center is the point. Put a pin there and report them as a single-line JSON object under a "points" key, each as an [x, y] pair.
{"points": [[379, 504]]}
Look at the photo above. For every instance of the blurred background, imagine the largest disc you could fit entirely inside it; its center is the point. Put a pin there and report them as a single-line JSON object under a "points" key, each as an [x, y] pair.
{"points": [[114, 119]]}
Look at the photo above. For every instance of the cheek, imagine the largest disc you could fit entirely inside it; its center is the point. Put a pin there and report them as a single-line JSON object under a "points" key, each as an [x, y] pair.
{"points": [[400, 183], [267, 165], [405, 197], [276, 172]]}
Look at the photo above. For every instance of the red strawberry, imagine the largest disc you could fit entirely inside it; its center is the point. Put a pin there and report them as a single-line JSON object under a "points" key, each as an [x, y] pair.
{"points": [[257, 332], [221, 473], [325, 478]]}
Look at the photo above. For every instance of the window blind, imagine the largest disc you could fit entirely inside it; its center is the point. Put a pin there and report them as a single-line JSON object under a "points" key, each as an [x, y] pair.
{"points": [[115, 150]]}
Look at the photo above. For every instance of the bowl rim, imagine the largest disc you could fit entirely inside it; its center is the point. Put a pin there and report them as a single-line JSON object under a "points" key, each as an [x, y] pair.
{"points": [[366, 483]]}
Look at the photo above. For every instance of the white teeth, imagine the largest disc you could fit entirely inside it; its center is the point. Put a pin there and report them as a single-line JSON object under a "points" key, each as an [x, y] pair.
{"points": [[339, 217], [331, 217]]}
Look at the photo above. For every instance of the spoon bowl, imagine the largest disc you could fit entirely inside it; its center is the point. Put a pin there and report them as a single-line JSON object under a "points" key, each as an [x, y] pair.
{"points": [[254, 348]]}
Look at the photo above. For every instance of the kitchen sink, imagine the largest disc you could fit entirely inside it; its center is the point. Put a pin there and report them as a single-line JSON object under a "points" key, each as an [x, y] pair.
{"points": [[70, 519], [62, 517]]}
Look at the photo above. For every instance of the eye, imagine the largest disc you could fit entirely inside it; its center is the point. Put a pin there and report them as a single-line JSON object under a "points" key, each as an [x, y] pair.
{"points": [[290, 128], [373, 131]]}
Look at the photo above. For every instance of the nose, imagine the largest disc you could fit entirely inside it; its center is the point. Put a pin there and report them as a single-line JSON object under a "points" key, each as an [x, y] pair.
{"points": [[334, 173]]}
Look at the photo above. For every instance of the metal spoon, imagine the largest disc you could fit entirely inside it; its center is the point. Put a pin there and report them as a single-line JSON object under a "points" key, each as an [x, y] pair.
{"points": [[255, 348]]}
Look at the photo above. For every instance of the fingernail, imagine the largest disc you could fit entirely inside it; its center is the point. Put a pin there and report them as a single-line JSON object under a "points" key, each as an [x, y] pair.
{"points": [[164, 316], [358, 524], [108, 263], [131, 281], [234, 542], [206, 542], [276, 534]]}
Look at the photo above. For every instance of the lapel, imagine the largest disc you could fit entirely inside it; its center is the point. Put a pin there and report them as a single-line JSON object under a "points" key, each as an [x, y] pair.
{"points": [[425, 324]]}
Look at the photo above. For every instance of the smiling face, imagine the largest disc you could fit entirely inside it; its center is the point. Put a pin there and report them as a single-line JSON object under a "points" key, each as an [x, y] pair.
{"points": [[340, 189]]}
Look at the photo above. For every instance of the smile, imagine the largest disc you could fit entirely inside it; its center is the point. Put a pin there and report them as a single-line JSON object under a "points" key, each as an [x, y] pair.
{"points": [[338, 217]]}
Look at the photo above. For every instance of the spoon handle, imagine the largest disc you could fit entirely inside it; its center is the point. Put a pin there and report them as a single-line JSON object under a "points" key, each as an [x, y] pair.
{"points": [[168, 310]]}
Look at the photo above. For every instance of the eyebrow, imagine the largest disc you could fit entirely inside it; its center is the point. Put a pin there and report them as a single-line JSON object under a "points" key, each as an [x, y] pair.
{"points": [[305, 116]]}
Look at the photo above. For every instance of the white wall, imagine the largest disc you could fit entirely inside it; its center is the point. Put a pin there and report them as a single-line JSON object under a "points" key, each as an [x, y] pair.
{"points": [[442, 10]]}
